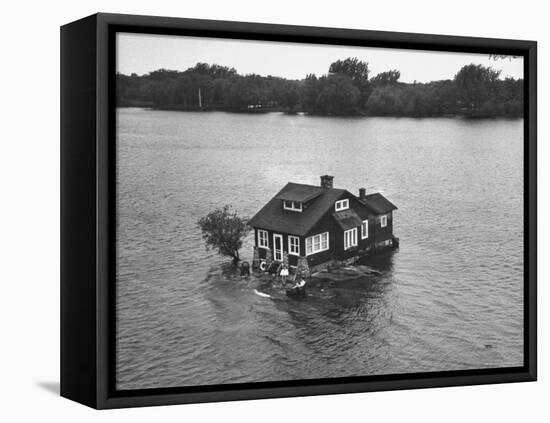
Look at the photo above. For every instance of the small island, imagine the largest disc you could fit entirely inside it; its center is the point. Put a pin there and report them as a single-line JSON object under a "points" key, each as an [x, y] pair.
{"points": [[311, 228]]}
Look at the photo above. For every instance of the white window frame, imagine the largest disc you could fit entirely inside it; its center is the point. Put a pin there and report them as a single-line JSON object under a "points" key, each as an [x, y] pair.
{"points": [[365, 229], [341, 204], [350, 238], [294, 248], [260, 239], [278, 254], [383, 221], [321, 240], [294, 205]]}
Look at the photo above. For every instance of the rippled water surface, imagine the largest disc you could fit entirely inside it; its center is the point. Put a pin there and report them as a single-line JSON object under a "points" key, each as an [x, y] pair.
{"points": [[450, 298]]}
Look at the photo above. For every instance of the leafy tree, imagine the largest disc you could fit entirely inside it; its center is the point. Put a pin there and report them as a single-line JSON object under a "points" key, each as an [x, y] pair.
{"points": [[309, 92], [220, 91], [417, 103], [386, 78], [162, 74], [385, 101], [358, 71], [352, 67], [474, 84], [337, 96], [286, 93], [214, 71], [223, 230], [241, 94]]}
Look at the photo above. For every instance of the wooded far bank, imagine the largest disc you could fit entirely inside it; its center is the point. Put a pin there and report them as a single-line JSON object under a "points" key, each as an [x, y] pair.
{"points": [[347, 89]]}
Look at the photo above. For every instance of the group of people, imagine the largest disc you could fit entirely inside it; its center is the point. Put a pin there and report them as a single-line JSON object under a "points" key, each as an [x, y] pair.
{"points": [[296, 287]]}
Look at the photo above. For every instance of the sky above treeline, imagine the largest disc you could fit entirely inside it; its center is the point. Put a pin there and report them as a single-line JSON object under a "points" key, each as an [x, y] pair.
{"points": [[143, 53]]}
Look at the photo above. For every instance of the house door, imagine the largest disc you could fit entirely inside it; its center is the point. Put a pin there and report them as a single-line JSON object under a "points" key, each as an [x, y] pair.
{"points": [[277, 247]]}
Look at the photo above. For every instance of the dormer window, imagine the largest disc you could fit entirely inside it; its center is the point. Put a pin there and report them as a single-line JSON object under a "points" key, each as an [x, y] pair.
{"points": [[341, 205], [292, 205]]}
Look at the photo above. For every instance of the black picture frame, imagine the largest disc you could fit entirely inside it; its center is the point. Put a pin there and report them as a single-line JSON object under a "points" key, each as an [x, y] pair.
{"points": [[88, 209]]}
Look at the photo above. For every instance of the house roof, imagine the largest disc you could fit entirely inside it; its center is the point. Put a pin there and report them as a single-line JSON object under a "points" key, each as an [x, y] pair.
{"points": [[299, 192], [319, 202], [273, 217], [378, 203], [347, 219]]}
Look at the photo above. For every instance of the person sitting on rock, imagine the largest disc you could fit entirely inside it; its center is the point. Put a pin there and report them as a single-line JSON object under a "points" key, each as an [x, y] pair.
{"points": [[245, 269]]}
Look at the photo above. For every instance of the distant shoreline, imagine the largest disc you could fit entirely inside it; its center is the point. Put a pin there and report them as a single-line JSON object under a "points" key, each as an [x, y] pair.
{"points": [[347, 89], [471, 116]]}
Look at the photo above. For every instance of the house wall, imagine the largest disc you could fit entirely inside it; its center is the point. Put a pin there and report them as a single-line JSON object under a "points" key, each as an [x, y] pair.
{"points": [[383, 234], [292, 259], [362, 244], [325, 224], [368, 242], [336, 237], [336, 250], [377, 234]]}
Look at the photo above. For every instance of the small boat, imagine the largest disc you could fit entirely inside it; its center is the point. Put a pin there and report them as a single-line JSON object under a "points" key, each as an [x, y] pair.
{"points": [[297, 290]]}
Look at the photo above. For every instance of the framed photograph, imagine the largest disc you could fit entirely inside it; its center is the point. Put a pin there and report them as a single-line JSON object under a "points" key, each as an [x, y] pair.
{"points": [[255, 211]]}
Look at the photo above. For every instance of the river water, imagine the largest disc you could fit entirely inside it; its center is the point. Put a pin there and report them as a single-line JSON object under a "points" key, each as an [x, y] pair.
{"points": [[450, 298]]}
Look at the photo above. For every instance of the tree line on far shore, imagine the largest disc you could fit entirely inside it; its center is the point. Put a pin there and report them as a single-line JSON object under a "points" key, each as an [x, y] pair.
{"points": [[347, 89]]}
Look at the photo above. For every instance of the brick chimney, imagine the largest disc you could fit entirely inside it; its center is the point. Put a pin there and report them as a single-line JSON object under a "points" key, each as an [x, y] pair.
{"points": [[326, 181], [362, 193]]}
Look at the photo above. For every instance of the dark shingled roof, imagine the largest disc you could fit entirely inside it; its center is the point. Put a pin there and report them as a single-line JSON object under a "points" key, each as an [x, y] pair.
{"points": [[378, 203], [319, 202], [299, 192], [274, 218], [347, 219]]}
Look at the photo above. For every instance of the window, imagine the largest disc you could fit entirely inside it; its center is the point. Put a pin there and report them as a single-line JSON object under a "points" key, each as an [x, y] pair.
{"points": [[262, 239], [365, 229], [292, 205], [350, 238], [324, 241], [383, 221], [293, 245], [317, 243], [342, 205]]}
